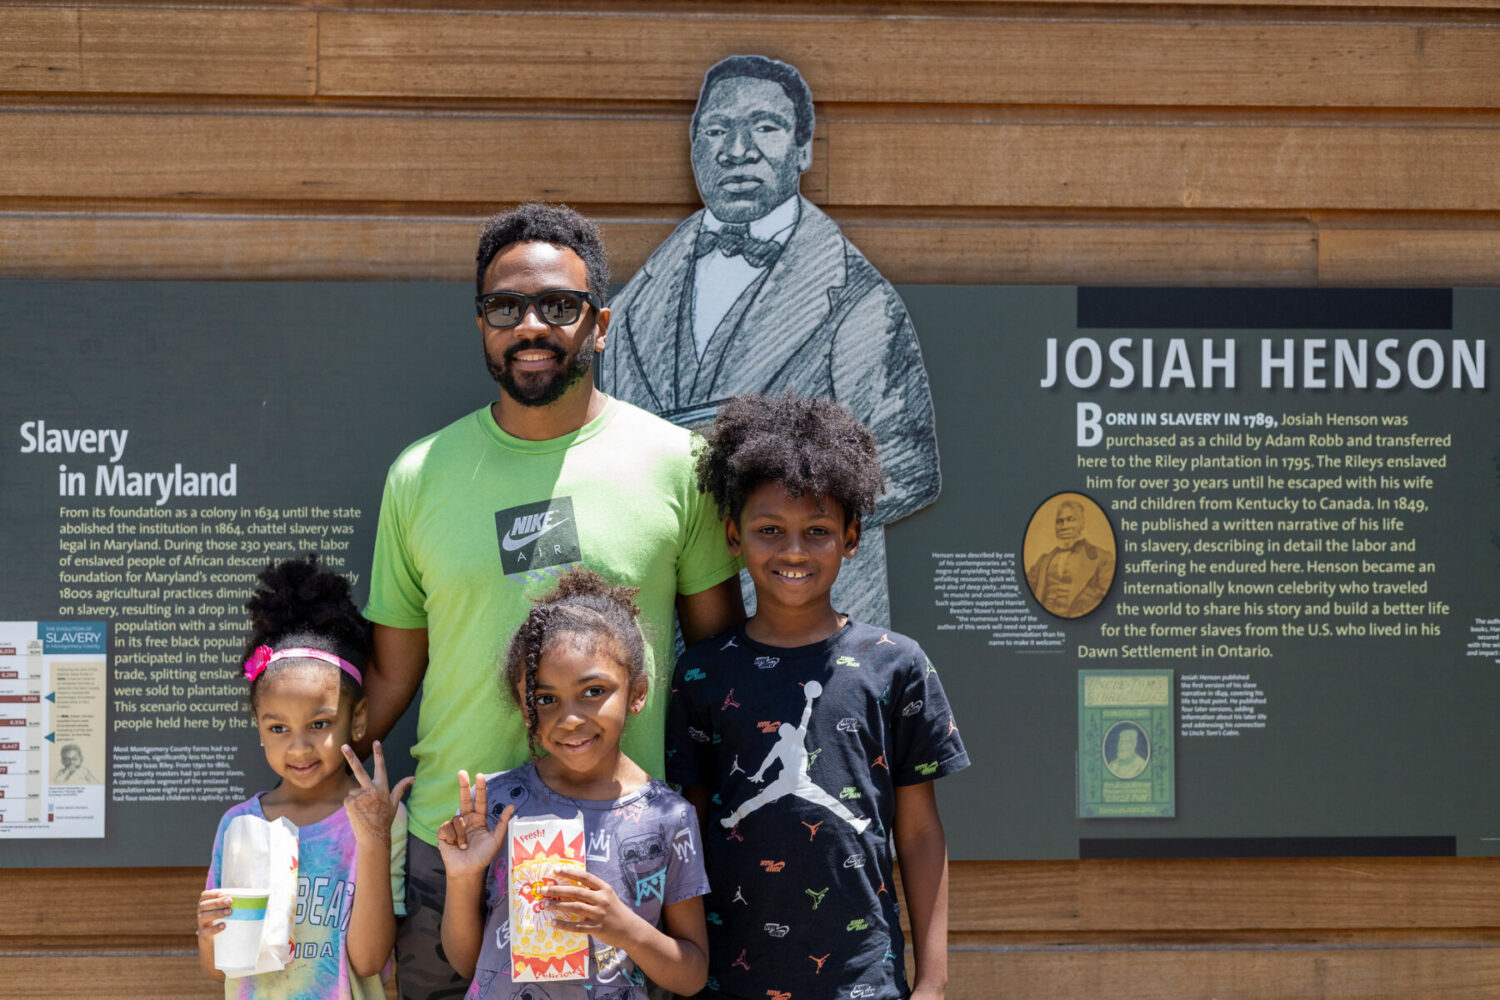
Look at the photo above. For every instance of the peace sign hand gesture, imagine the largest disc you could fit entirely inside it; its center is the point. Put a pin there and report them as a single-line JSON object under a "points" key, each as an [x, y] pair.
{"points": [[466, 842], [372, 806]]}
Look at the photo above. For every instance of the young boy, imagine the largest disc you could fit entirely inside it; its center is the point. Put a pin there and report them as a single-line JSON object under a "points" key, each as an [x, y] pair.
{"points": [[817, 736]]}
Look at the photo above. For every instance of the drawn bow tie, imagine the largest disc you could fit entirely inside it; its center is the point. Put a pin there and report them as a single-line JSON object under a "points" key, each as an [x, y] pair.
{"points": [[734, 241]]}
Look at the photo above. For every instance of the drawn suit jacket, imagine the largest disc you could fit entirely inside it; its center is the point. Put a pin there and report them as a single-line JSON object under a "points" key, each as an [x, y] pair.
{"points": [[821, 321]]}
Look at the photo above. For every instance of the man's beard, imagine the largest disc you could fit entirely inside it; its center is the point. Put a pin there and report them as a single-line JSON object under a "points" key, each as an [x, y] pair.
{"points": [[539, 390]]}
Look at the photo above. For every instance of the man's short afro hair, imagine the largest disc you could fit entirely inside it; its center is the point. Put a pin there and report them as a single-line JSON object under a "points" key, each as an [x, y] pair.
{"points": [[811, 446], [538, 222]]}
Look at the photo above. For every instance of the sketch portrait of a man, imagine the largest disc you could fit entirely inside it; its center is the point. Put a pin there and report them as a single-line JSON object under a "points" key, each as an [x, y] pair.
{"points": [[72, 770], [760, 292]]}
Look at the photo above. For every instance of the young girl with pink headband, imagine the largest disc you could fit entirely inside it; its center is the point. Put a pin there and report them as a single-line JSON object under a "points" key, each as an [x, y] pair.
{"points": [[306, 653]]}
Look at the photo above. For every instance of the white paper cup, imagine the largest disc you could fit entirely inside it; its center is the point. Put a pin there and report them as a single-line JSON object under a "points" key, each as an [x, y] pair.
{"points": [[237, 946]]}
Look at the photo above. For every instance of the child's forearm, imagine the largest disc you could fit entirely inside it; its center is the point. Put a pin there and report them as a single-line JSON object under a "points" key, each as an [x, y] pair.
{"points": [[463, 926], [372, 924], [206, 956], [676, 964], [922, 850], [924, 873], [927, 908]]}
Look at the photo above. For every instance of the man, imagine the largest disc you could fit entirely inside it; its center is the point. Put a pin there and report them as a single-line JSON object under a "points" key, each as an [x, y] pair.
{"points": [[72, 771], [761, 292], [480, 517], [1126, 764], [1073, 578]]}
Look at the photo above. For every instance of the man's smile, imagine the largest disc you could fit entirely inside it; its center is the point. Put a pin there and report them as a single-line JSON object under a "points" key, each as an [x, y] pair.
{"points": [[533, 357]]}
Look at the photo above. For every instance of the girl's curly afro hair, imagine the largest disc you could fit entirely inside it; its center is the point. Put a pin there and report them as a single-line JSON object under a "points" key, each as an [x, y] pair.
{"points": [[300, 602]]}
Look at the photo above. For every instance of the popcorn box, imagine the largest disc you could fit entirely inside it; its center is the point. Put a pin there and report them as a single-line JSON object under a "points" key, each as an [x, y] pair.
{"points": [[541, 849]]}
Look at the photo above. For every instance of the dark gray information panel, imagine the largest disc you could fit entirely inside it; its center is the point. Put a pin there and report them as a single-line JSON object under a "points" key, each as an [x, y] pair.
{"points": [[1297, 521], [1302, 526], [162, 441]]}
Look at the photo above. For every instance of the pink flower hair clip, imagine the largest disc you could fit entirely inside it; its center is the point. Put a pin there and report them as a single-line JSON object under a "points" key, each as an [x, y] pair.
{"points": [[257, 662]]}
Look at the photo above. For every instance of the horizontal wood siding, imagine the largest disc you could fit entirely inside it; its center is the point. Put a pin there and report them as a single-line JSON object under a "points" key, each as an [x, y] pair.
{"points": [[1361, 929], [1214, 142], [982, 57], [1052, 141]]}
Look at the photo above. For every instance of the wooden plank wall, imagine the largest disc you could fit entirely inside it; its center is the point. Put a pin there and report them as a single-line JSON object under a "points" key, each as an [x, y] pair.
{"points": [[1288, 142]]}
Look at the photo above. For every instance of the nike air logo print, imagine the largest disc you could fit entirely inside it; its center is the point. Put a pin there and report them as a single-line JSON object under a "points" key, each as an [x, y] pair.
{"points": [[537, 535], [542, 523]]}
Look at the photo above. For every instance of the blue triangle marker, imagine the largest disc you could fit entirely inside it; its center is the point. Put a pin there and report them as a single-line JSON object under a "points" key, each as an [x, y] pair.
{"points": [[52, 697], [51, 737]]}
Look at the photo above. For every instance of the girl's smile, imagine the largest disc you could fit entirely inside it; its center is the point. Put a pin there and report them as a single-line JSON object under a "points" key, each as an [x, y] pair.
{"points": [[303, 723], [583, 698]]}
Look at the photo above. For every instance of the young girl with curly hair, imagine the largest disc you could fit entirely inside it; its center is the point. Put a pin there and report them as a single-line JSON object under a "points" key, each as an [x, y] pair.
{"points": [[577, 669]]}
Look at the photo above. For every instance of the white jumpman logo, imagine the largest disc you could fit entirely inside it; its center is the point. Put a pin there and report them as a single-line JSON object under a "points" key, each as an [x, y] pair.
{"points": [[791, 750]]}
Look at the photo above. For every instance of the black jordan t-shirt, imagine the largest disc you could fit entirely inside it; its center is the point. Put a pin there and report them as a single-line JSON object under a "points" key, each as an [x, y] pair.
{"points": [[802, 750]]}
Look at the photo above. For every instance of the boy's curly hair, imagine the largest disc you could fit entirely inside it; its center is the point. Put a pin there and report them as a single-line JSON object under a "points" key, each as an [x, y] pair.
{"points": [[584, 609], [811, 446], [300, 602]]}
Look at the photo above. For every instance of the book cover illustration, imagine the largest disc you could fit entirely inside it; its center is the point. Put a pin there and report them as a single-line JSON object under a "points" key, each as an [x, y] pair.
{"points": [[1125, 752]]}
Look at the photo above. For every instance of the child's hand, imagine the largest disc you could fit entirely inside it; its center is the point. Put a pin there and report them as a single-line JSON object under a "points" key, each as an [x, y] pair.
{"points": [[466, 842], [372, 806], [592, 907], [213, 909]]}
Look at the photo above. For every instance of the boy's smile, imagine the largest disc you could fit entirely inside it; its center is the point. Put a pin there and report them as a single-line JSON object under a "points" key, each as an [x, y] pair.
{"points": [[793, 550]]}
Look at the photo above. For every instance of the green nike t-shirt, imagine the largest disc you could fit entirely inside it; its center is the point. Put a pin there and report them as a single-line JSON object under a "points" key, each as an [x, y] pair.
{"points": [[476, 523]]}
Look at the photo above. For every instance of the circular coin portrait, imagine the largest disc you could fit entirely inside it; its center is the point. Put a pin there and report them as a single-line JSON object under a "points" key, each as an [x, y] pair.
{"points": [[1069, 555], [1126, 750]]}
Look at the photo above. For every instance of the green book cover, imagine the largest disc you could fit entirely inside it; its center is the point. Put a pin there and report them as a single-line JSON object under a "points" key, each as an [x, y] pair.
{"points": [[1125, 759]]}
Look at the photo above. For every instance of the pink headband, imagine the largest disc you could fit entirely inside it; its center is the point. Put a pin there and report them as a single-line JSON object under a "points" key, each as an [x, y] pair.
{"points": [[264, 656]]}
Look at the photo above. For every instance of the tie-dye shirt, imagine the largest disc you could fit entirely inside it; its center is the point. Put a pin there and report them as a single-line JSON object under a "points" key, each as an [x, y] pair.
{"points": [[645, 845], [326, 876]]}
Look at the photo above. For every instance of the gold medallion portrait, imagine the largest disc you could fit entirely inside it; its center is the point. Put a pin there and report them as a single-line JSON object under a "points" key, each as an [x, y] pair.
{"points": [[1069, 555]]}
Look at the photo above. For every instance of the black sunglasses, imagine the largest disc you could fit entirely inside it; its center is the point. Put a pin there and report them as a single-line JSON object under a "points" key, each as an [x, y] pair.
{"points": [[555, 307]]}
